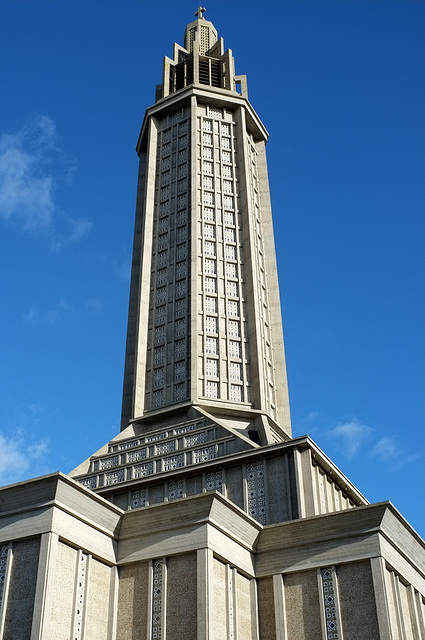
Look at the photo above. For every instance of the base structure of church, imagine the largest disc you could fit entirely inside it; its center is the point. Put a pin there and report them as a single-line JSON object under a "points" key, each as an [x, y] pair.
{"points": [[204, 519]]}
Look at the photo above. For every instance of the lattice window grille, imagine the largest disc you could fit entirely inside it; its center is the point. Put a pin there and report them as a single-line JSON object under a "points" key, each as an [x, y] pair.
{"points": [[235, 349], [176, 116], [210, 304], [226, 171], [173, 462], [158, 399], [226, 156], [182, 186], [115, 477], [159, 355], [165, 178], [227, 186], [229, 235], [207, 167], [181, 251], [230, 252], [329, 600], [181, 269], [161, 295], [166, 149], [4, 558], [157, 600], [182, 171], [215, 481], [163, 225], [215, 112], [138, 498], [182, 201], [166, 135], [180, 349], [211, 325], [228, 202], [138, 454], [232, 289], [209, 214], [81, 588], [163, 240], [182, 142], [196, 438], [143, 470], [211, 345], [180, 327], [206, 125], [180, 288], [175, 489], [233, 308], [160, 314], [165, 193], [183, 127], [180, 392], [180, 308], [226, 143], [89, 483], [207, 138], [236, 393], [165, 447], [108, 463], [234, 328], [210, 285], [211, 368], [182, 156], [211, 389], [205, 454], [180, 370], [181, 234], [207, 153], [210, 266], [225, 129], [162, 259], [159, 334], [256, 491], [231, 270], [231, 595], [235, 371], [166, 164], [158, 436], [164, 209], [181, 218], [191, 427], [162, 276], [209, 231], [208, 198]]}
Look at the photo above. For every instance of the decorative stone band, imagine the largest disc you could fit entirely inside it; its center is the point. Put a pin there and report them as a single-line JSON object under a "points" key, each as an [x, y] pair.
{"points": [[331, 621]]}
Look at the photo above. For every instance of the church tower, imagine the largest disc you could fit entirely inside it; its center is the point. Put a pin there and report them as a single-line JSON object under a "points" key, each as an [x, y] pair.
{"points": [[203, 519], [205, 325]]}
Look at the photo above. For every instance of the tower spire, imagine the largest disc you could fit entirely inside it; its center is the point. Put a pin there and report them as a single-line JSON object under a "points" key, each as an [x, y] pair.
{"points": [[200, 12]]}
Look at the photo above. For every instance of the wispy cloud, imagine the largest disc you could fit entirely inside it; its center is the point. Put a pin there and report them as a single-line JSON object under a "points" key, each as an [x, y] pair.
{"points": [[50, 317], [350, 436], [389, 451], [21, 457], [32, 166]]}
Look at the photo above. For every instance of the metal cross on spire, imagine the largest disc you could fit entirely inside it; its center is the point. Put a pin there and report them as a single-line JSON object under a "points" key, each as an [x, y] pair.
{"points": [[200, 11]]}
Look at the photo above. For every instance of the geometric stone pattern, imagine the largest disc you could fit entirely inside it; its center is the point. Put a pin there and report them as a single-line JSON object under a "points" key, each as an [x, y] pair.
{"points": [[330, 604], [157, 592], [256, 491]]}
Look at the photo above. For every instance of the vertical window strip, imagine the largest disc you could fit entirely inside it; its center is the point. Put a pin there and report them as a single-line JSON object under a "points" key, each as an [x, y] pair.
{"points": [[80, 595], [331, 621], [256, 489], [5, 560], [157, 599]]}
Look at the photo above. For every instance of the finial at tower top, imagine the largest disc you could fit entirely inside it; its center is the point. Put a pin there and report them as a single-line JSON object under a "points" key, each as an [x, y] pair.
{"points": [[199, 13]]}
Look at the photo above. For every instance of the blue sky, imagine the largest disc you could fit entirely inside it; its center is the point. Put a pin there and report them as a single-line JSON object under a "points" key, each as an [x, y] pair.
{"points": [[340, 87]]}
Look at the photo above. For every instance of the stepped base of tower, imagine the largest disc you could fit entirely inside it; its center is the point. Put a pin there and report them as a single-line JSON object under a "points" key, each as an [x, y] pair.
{"points": [[74, 565]]}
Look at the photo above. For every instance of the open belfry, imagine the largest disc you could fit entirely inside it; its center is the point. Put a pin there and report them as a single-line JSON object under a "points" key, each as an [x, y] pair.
{"points": [[203, 519]]}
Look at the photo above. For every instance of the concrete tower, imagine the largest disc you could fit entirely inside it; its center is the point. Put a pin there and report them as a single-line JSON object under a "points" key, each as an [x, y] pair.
{"points": [[205, 322], [203, 519]]}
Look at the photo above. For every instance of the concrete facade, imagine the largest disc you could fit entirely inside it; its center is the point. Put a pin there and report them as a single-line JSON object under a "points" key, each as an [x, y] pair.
{"points": [[203, 519]]}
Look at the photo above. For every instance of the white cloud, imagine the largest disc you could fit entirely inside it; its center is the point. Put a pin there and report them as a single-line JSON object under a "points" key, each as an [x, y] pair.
{"points": [[31, 168], [49, 317], [350, 436], [385, 449], [20, 457]]}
